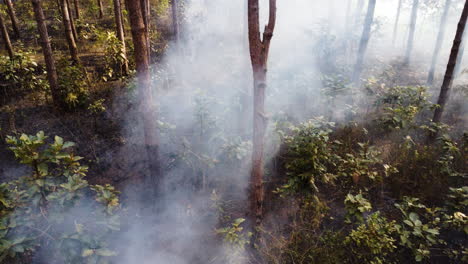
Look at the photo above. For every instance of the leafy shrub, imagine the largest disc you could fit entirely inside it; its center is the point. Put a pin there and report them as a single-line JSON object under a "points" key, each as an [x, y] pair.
{"points": [[356, 206], [373, 242], [21, 74], [49, 210], [400, 106], [73, 83], [115, 59]]}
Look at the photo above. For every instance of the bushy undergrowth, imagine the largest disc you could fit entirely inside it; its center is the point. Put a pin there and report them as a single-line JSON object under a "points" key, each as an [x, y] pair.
{"points": [[402, 200]]}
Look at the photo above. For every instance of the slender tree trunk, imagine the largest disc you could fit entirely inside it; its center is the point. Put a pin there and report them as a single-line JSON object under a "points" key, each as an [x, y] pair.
{"points": [[140, 42], [440, 39], [72, 21], [364, 42], [76, 3], [259, 50], [447, 83], [175, 20], [397, 20], [47, 51], [414, 18], [14, 19], [101, 9], [69, 32], [120, 33], [6, 38], [461, 53]]}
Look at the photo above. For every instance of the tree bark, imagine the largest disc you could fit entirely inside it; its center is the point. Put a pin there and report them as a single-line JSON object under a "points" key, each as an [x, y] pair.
{"points": [[101, 9], [6, 38], [72, 21], [447, 83], [47, 51], [364, 42], [145, 10], [397, 20], [139, 35], [69, 32], [440, 39], [414, 18], [120, 33], [76, 3], [14, 19], [175, 20], [259, 50]]}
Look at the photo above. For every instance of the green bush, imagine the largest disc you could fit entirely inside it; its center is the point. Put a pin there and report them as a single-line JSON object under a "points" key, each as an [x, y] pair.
{"points": [[49, 209]]}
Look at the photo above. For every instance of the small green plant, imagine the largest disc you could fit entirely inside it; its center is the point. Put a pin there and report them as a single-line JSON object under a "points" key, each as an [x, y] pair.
{"points": [[236, 239], [356, 206], [115, 58]]}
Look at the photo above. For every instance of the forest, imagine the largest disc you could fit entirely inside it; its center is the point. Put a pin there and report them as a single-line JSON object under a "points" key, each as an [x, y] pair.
{"points": [[233, 131]]}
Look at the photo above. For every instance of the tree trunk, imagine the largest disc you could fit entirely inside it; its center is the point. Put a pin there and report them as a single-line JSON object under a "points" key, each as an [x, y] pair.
{"points": [[175, 20], [120, 33], [47, 51], [364, 41], [414, 18], [69, 32], [6, 38], [72, 21], [397, 20], [259, 50], [447, 83], [440, 39], [14, 19], [139, 35], [145, 10], [76, 3], [461, 53], [101, 9]]}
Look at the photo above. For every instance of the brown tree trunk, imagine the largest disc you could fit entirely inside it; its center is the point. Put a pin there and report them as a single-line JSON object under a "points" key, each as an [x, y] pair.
{"points": [[145, 10], [440, 39], [259, 49], [120, 33], [101, 9], [175, 20], [447, 83], [47, 51], [414, 18], [6, 38], [364, 42], [69, 32], [76, 3], [139, 36], [14, 19], [397, 20], [72, 21]]}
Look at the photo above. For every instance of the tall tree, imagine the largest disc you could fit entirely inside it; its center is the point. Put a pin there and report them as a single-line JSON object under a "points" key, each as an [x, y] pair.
{"points": [[47, 51], [6, 38], [72, 21], [76, 3], [364, 41], [69, 32], [448, 78], [259, 49], [14, 19], [440, 39], [101, 9], [139, 35], [397, 20], [121, 33], [414, 18], [175, 20]]}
